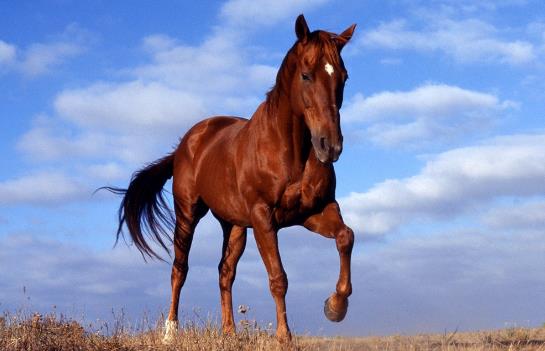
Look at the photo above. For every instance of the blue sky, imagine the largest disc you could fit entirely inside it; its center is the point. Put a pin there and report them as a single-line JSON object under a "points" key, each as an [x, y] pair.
{"points": [[442, 175]]}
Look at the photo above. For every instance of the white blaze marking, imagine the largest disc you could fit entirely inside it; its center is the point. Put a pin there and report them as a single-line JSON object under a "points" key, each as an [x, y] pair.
{"points": [[329, 68]]}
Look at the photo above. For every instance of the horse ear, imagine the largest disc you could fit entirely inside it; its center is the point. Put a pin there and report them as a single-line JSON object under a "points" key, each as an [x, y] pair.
{"points": [[301, 28], [344, 37]]}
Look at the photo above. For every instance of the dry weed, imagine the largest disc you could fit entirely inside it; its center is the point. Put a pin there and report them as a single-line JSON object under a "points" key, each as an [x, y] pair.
{"points": [[57, 333]]}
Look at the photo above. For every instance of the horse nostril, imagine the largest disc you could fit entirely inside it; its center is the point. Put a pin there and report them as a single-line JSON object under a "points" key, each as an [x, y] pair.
{"points": [[323, 143]]}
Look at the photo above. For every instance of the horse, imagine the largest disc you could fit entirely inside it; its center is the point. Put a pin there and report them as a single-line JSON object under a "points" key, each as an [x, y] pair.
{"points": [[269, 172]]}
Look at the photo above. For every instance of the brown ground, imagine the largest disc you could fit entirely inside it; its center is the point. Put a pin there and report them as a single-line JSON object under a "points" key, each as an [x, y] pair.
{"points": [[58, 333]]}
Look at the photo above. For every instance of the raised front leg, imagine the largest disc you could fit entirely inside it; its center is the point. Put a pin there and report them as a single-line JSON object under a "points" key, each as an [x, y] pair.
{"points": [[234, 242], [329, 223], [267, 242]]}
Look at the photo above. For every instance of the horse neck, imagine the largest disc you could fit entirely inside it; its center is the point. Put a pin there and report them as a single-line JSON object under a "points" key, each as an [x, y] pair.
{"points": [[284, 128]]}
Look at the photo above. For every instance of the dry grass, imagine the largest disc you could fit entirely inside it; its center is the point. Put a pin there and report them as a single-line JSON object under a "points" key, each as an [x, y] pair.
{"points": [[53, 332], [505, 339]]}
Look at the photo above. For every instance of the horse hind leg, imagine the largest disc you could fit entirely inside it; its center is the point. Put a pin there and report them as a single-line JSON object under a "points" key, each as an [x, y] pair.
{"points": [[188, 215], [234, 242]]}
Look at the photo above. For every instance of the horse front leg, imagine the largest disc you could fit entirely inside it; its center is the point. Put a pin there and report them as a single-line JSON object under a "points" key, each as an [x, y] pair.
{"points": [[330, 224], [267, 243]]}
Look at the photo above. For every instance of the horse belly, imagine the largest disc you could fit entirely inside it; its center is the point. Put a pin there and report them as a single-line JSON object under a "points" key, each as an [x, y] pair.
{"points": [[216, 171], [218, 190]]}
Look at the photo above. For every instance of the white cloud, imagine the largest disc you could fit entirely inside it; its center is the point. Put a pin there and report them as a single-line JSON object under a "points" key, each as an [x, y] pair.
{"points": [[429, 112], [469, 40], [131, 121], [158, 42], [262, 12], [391, 61], [129, 106], [48, 142], [40, 58], [40, 188], [453, 182], [428, 100], [106, 171], [528, 215], [215, 69], [133, 146], [7, 53], [475, 6]]}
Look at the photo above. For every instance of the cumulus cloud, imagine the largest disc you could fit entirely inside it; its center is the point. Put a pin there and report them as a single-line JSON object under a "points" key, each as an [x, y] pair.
{"points": [[40, 188], [518, 216], [470, 40], [7, 53], [129, 106], [476, 7], [451, 183], [106, 171], [47, 141], [52, 142], [432, 112], [39, 58], [130, 121], [215, 70]]}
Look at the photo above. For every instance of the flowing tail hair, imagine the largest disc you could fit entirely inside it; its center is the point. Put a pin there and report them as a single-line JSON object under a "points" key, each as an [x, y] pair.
{"points": [[144, 210]]}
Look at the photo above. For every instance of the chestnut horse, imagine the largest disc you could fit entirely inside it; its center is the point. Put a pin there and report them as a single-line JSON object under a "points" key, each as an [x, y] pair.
{"points": [[272, 171]]}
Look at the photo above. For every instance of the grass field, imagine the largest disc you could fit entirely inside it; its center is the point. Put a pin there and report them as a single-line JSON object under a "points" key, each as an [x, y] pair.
{"points": [[53, 332]]}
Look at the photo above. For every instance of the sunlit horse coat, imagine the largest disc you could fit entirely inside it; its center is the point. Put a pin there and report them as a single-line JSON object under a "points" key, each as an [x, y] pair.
{"points": [[266, 173]]}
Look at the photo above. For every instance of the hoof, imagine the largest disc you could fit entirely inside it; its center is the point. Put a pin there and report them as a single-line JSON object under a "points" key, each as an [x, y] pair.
{"points": [[229, 330], [284, 338], [335, 312], [171, 330]]}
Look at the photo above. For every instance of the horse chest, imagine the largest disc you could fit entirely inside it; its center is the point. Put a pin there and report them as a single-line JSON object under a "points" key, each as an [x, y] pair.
{"points": [[307, 195]]}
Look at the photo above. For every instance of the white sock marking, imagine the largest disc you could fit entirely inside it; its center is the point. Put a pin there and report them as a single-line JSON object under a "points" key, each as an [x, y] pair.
{"points": [[171, 329]]}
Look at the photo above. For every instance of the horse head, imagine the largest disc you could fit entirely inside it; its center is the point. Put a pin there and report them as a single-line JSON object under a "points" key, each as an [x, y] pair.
{"points": [[317, 86]]}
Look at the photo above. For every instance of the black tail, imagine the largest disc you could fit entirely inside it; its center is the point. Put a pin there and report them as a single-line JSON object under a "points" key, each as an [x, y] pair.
{"points": [[144, 209]]}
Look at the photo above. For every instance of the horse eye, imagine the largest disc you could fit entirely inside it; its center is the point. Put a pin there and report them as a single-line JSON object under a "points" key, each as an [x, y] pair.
{"points": [[305, 76]]}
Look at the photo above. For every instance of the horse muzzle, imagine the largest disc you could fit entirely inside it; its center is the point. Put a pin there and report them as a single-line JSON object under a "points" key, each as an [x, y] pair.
{"points": [[325, 150]]}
